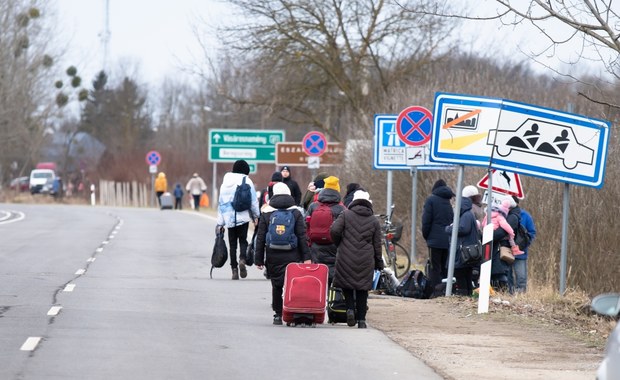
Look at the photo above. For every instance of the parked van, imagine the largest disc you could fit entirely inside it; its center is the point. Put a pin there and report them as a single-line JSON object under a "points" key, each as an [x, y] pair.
{"points": [[41, 180]]}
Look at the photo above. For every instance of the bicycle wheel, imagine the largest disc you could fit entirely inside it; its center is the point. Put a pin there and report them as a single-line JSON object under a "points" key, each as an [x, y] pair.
{"points": [[402, 263]]}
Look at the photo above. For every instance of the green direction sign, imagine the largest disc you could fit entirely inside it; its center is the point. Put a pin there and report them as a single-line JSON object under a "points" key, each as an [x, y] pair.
{"points": [[256, 145]]}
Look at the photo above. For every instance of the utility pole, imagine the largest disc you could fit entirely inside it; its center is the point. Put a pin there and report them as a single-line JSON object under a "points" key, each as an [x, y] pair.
{"points": [[105, 37]]}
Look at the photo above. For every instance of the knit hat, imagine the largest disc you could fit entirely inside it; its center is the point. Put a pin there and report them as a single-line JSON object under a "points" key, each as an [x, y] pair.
{"points": [[195, 175], [505, 206], [361, 194], [439, 183], [353, 187], [320, 184], [287, 168], [332, 182], [241, 167], [280, 188], [469, 191], [276, 177]]}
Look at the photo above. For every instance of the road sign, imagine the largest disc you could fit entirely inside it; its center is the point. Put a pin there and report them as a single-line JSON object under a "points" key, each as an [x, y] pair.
{"points": [[519, 137], [292, 154], [153, 158], [314, 143], [152, 169], [228, 145], [414, 125], [314, 162], [504, 182], [390, 153]]}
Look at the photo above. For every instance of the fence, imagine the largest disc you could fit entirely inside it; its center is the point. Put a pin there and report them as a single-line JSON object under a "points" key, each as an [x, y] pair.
{"points": [[132, 194]]}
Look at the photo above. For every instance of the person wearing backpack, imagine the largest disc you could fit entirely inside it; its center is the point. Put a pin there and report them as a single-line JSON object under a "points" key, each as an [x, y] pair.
{"points": [[357, 234], [281, 240], [235, 219], [267, 192], [319, 219], [517, 274]]}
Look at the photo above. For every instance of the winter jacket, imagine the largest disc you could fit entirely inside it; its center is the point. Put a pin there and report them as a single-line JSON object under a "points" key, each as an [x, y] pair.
{"points": [[500, 239], [351, 189], [295, 192], [467, 232], [326, 253], [178, 191], [437, 214], [309, 195], [195, 186], [528, 222], [226, 215], [161, 183], [357, 234], [276, 260]]}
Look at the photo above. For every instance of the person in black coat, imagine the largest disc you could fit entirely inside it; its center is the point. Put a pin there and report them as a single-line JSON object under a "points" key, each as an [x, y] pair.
{"points": [[500, 268], [467, 234], [277, 260], [351, 189], [436, 216], [288, 180]]}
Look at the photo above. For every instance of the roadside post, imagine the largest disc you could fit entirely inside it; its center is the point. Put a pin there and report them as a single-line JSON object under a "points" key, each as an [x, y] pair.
{"points": [[153, 158]]}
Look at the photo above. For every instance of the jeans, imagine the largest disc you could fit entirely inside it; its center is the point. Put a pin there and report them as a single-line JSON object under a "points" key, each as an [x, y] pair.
{"points": [[519, 277], [239, 233]]}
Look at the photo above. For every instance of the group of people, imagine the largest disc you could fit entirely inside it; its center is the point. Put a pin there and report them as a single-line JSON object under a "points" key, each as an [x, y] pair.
{"points": [[437, 218], [196, 187], [321, 226]]}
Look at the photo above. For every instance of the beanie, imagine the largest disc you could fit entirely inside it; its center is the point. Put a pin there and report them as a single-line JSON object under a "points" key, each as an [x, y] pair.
{"points": [[469, 191], [505, 207], [280, 188], [241, 167], [332, 182], [276, 177], [439, 183], [286, 167], [361, 194]]}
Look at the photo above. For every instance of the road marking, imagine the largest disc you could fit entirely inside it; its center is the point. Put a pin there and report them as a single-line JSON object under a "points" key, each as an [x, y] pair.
{"points": [[31, 343], [105, 242], [69, 288], [462, 118], [20, 216], [80, 272], [99, 250], [91, 260], [54, 310]]}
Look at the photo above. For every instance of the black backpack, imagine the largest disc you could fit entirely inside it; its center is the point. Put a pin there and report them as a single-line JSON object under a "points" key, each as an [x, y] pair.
{"points": [[243, 197], [522, 237], [414, 285], [281, 230]]}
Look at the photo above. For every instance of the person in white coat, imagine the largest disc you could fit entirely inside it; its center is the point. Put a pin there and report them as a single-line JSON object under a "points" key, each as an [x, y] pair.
{"points": [[196, 186]]}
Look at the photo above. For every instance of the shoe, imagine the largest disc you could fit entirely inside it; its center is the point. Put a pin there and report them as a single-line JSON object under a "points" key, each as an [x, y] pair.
{"points": [[277, 319], [243, 272], [350, 317], [235, 274], [361, 324], [516, 251]]}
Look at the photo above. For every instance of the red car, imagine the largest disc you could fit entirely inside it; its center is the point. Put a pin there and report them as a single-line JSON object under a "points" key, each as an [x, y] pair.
{"points": [[21, 184]]}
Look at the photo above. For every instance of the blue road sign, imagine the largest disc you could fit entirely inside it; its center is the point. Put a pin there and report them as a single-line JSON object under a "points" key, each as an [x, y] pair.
{"points": [[153, 158], [390, 153], [314, 143], [414, 125], [519, 137]]}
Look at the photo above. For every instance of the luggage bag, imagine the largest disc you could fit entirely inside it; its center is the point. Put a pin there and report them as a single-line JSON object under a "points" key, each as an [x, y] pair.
{"points": [[305, 294], [166, 200], [336, 306]]}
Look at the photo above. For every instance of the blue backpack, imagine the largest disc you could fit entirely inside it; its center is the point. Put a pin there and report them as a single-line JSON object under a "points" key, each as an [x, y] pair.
{"points": [[243, 197], [281, 230]]}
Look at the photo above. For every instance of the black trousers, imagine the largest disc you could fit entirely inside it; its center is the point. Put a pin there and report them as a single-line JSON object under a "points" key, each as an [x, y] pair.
{"points": [[240, 234], [196, 201], [439, 268], [464, 279], [276, 296], [178, 203], [357, 300]]}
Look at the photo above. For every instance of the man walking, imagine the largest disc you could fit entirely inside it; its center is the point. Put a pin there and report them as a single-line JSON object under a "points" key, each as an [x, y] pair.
{"points": [[196, 186], [286, 178]]}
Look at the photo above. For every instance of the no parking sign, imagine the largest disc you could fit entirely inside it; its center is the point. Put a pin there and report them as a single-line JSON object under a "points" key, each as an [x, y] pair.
{"points": [[415, 125], [314, 143]]}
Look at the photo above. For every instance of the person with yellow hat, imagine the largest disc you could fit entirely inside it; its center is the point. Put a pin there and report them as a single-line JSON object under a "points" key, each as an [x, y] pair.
{"points": [[161, 186]]}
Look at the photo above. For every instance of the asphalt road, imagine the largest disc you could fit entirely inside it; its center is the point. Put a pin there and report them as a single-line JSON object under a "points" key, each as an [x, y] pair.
{"points": [[124, 293]]}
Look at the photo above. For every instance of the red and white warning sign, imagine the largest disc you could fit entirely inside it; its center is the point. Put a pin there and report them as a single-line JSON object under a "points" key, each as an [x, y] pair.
{"points": [[504, 182]]}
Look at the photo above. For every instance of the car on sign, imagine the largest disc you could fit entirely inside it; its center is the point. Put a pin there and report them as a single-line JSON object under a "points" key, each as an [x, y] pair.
{"points": [[609, 305]]}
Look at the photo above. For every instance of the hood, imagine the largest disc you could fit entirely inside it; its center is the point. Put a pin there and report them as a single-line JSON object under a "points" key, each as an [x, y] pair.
{"points": [[465, 205], [281, 201], [329, 196], [361, 207], [231, 180], [443, 192]]}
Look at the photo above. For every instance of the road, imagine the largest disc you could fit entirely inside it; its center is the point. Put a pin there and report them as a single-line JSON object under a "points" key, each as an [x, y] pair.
{"points": [[99, 293]]}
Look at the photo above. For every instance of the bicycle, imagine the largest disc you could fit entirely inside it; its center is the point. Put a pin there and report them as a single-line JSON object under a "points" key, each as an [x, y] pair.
{"points": [[395, 255]]}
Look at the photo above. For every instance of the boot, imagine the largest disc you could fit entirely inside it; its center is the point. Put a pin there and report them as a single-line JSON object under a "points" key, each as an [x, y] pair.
{"points": [[516, 251], [235, 274], [242, 270], [350, 317], [361, 324]]}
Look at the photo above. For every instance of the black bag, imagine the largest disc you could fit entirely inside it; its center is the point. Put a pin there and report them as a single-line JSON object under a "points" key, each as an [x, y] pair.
{"points": [[220, 251], [522, 237], [336, 306], [249, 253], [471, 254], [414, 285]]}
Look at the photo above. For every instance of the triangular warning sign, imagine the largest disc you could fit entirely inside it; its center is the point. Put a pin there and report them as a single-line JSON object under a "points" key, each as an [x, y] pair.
{"points": [[503, 182]]}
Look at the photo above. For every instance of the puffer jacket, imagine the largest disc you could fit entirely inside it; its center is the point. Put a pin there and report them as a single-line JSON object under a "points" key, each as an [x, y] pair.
{"points": [[326, 253], [161, 183], [357, 234], [226, 215], [276, 260], [437, 214], [467, 231]]}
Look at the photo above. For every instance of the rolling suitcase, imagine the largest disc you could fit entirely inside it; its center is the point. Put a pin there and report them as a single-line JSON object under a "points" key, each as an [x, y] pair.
{"points": [[305, 294], [166, 200], [336, 306]]}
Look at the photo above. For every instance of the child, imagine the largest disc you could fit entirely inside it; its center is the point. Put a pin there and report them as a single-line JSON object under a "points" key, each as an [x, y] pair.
{"points": [[178, 197], [498, 218]]}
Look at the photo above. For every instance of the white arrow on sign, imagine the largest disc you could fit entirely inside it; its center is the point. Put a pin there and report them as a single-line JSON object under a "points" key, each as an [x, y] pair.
{"points": [[216, 138]]}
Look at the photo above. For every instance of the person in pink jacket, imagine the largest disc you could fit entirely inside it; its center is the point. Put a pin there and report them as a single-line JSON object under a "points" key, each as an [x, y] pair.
{"points": [[498, 218]]}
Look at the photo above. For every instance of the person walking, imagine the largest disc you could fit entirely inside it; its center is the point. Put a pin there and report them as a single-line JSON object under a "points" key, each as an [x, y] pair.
{"points": [[267, 192], [196, 186], [288, 180], [237, 222], [178, 197], [313, 188], [467, 234], [275, 260], [436, 216], [161, 186], [357, 234], [351, 189], [319, 219], [517, 274]]}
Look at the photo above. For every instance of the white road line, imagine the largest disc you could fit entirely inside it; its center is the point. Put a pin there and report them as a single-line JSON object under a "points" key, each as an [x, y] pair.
{"points": [[31, 343], [69, 288], [99, 250], [80, 272], [6, 215], [91, 260], [105, 242], [111, 237], [17, 219], [54, 310]]}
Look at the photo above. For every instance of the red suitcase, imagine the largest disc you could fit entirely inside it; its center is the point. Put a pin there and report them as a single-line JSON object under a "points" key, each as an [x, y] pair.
{"points": [[305, 294]]}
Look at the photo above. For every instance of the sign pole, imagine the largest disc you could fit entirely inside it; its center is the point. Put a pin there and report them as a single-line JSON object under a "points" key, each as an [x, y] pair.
{"points": [[414, 206], [564, 254], [455, 231], [389, 192], [214, 189], [152, 189]]}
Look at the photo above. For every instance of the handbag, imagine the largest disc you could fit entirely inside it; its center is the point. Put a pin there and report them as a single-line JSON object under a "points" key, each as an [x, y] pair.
{"points": [[505, 254], [471, 253], [220, 251], [249, 252]]}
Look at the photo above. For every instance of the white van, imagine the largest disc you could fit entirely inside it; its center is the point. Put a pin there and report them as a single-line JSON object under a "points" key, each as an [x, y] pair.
{"points": [[41, 180]]}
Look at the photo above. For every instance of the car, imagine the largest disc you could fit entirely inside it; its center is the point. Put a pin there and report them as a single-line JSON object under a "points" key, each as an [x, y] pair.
{"points": [[609, 304], [20, 184], [41, 180]]}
